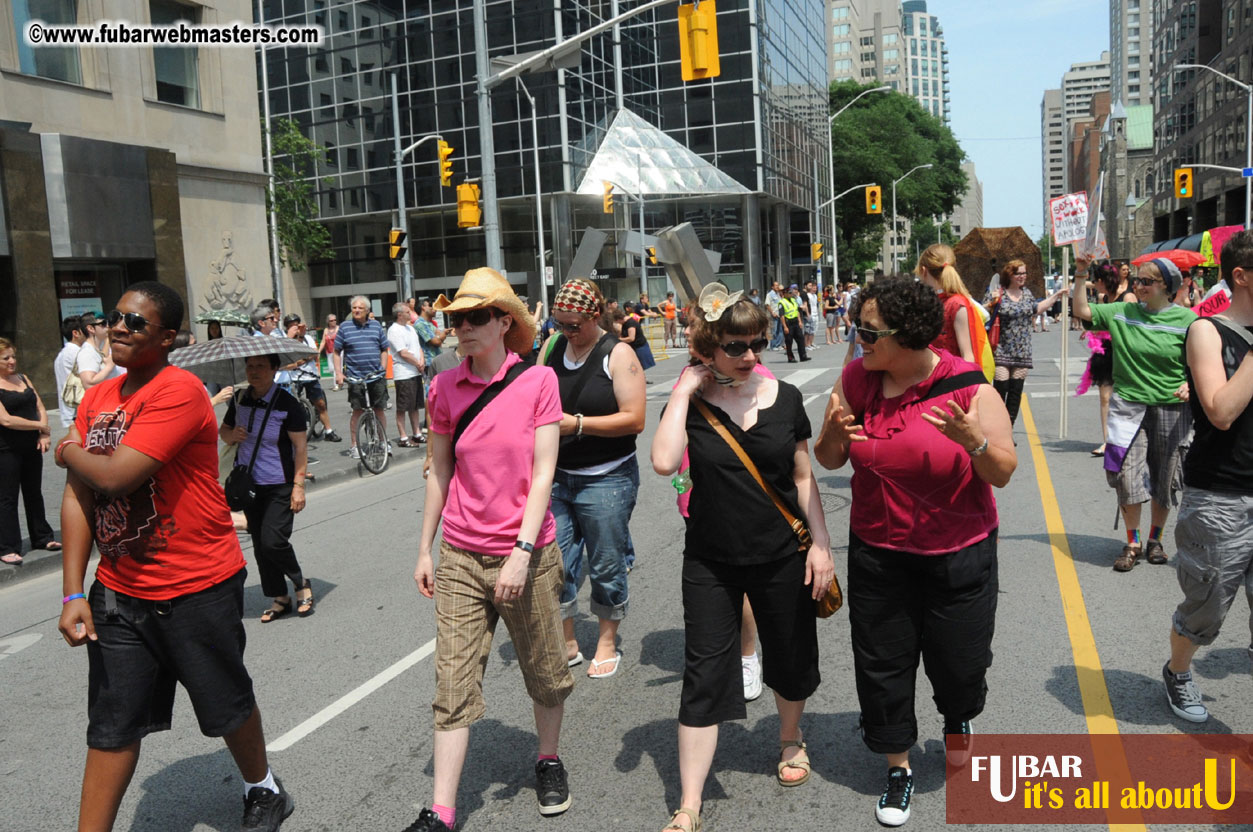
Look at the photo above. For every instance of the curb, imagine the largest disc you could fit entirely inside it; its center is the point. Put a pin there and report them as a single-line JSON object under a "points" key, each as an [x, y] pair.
{"points": [[39, 562]]}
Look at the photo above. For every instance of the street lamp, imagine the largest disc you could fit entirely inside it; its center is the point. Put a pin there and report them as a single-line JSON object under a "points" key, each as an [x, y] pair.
{"points": [[1248, 131], [835, 238], [894, 184]]}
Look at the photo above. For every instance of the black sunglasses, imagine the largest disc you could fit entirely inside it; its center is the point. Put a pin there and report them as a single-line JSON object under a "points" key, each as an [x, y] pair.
{"points": [[1144, 281], [869, 336], [475, 317], [133, 321], [571, 328], [737, 348]]}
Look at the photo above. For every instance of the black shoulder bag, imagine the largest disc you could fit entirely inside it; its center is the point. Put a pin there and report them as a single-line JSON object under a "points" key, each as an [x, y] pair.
{"points": [[241, 490], [485, 398]]}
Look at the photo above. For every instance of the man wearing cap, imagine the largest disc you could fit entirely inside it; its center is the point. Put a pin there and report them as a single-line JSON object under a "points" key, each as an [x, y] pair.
{"points": [[360, 349], [1148, 412], [790, 311]]}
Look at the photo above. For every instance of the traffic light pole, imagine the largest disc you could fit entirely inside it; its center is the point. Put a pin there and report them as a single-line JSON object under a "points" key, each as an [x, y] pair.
{"points": [[404, 284], [894, 183], [835, 237], [539, 202], [1248, 136]]}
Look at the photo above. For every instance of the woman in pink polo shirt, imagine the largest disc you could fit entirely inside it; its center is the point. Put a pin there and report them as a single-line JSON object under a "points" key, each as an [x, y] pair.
{"points": [[928, 439], [492, 471]]}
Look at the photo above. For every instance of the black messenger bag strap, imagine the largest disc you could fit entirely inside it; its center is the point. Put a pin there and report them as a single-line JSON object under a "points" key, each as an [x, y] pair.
{"points": [[951, 384], [485, 398]]}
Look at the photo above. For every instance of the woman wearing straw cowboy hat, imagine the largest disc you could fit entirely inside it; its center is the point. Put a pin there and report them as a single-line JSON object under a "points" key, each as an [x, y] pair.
{"points": [[495, 429]]}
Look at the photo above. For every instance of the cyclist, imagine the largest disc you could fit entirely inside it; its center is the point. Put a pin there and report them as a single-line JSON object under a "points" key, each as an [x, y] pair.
{"points": [[305, 375], [360, 349]]}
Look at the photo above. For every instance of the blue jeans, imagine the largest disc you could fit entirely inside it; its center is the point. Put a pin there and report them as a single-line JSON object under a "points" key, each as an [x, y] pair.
{"points": [[594, 514], [776, 340]]}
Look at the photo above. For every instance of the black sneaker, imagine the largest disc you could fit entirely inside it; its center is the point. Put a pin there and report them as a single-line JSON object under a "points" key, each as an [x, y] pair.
{"points": [[263, 809], [958, 741], [893, 807], [427, 821], [551, 788], [332, 436], [1183, 696]]}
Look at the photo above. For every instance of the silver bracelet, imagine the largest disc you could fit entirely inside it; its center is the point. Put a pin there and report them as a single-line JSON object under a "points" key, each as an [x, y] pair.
{"points": [[981, 450], [578, 431]]}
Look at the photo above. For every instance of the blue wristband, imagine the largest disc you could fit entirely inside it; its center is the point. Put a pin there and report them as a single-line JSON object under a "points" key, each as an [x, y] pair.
{"points": [[73, 597]]}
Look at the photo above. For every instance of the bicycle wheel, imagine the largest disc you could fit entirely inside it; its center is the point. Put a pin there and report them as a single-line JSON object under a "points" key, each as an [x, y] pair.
{"points": [[371, 443], [311, 416]]}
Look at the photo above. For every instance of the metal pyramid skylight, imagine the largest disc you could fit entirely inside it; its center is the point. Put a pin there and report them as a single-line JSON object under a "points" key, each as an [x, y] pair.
{"points": [[637, 156]]}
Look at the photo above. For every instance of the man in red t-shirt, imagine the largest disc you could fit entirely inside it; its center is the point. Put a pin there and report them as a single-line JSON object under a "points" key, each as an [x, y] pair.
{"points": [[167, 602]]}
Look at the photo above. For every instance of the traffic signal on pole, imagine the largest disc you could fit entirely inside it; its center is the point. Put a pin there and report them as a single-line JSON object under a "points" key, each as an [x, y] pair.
{"points": [[469, 214], [874, 200], [698, 40], [608, 206], [396, 244], [1183, 183], [815, 251], [652, 255], [445, 166]]}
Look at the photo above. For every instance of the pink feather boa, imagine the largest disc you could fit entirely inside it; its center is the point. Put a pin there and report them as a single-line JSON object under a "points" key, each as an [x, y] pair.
{"points": [[1097, 343]]}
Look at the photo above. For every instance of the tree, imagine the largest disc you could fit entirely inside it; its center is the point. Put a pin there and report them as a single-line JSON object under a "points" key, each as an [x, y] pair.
{"points": [[1045, 244], [301, 236], [923, 233], [878, 140]]}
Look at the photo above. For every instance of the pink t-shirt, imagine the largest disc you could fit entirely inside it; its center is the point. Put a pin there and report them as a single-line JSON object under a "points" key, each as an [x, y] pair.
{"points": [[914, 490], [492, 473]]}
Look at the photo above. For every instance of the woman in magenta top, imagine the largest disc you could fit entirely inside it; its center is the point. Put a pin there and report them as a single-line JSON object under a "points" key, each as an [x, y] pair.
{"points": [[491, 478], [928, 439]]}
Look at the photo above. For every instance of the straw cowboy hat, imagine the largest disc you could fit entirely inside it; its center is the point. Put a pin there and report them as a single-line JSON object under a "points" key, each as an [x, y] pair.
{"points": [[487, 287]]}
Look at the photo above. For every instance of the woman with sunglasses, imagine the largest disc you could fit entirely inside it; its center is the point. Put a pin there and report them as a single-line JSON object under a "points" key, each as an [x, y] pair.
{"points": [[24, 438], [928, 439], [598, 477], [1149, 419], [498, 559], [1015, 307], [737, 542]]}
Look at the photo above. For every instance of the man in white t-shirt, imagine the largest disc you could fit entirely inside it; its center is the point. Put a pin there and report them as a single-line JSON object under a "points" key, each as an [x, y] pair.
{"points": [[811, 322], [75, 334], [408, 364], [95, 359]]}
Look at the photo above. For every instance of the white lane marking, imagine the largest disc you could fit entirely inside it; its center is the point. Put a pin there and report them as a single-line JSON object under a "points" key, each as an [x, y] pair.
{"points": [[1045, 394], [813, 397], [9, 646], [349, 699], [799, 378]]}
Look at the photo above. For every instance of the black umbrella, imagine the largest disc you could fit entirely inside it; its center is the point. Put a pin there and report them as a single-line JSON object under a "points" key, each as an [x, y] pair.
{"points": [[221, 361]]}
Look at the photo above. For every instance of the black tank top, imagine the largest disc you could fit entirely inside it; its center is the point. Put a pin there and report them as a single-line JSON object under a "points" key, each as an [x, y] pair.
{"points": [[23, 405], [595, 399], [1220, 460]]}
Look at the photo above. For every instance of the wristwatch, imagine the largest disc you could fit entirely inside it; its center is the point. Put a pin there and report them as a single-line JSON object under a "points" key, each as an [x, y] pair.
{"points": [[529, 548]]}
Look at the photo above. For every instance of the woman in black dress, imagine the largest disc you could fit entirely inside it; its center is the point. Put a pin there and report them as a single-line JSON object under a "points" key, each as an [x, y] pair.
{"points": [[24, 439], [737, 542]]}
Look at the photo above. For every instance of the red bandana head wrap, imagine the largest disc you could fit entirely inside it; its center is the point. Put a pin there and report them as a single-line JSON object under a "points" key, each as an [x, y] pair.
{"points": [[577, 295]]}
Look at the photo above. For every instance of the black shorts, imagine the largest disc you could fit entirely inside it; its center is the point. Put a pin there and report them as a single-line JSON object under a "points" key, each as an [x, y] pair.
{"points": [[378, 394], [313, 390], [408, 394], [787, 626], [148, 646]]}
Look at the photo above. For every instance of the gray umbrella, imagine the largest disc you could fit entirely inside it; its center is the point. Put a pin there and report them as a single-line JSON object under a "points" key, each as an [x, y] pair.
{"points": [[221, 361]]}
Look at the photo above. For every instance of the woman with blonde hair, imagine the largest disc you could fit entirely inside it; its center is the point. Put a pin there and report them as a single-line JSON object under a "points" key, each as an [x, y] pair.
{"points": [[963, 334]]}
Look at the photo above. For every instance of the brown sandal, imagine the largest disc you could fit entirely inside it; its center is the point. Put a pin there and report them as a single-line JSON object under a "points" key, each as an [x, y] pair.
{"points": [[796, 762], [692, 816], [1127, 560], [277, 611], [1154, 553]]}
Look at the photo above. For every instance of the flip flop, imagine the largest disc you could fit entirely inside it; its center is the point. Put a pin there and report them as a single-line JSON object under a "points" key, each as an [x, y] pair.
{"points": [[52, 546], [280, 609], [1098, 451], [12, 558], [617, 661], [576, 661]]}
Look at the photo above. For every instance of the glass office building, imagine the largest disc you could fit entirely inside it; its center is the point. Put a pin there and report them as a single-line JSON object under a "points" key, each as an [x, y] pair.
{"points": [[762, 121]]}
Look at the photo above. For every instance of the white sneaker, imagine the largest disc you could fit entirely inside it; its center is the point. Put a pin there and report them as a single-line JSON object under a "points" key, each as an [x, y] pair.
{"points": [[355, 453], [751, 665]]}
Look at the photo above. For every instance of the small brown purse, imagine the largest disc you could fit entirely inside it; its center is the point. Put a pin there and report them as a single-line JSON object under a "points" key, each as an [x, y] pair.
{"points": [[834, 597]]}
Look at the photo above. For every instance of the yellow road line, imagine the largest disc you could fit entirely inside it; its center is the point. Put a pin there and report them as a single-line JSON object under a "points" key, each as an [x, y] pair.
{"points": [[1097, 709]]}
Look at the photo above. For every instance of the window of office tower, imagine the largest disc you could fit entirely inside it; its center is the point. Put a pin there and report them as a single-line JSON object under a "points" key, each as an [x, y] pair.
{"points": [[177, 69], [58, 62]]}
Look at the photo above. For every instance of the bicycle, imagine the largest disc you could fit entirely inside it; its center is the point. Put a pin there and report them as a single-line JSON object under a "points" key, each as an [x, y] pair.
{"points": [[298, 376], [371, 439]]}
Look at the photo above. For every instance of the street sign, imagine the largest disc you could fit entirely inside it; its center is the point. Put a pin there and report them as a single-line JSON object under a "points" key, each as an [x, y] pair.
{"points": [[1070, 218], [1247, 173]]}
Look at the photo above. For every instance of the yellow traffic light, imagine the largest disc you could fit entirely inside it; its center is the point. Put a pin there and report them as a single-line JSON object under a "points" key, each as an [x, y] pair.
{"points": [[1183, 183], [396, 244], [874, 200], [698, 40], [469, 214], [652, 255], [608, 208], [445, 166], [815, 251]]}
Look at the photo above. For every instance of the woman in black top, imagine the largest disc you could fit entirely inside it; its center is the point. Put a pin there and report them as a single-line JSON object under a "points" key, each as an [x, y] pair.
{"points": [[632, 333], [24, 438], [598, 477], [737, 542]]}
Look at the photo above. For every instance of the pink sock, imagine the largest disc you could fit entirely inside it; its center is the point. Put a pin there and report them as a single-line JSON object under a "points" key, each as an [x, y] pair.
{"points": [[544, 757], [446, 814]]}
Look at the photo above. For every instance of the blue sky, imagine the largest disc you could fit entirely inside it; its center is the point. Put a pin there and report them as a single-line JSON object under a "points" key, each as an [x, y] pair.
{"points": [[1002, 56]]}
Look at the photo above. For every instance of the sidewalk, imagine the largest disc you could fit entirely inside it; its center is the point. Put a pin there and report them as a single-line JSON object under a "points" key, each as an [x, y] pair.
{"points": [[333, 465]]}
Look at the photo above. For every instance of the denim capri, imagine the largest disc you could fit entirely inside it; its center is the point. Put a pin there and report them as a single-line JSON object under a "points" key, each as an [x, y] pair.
{"points": [[593, 515]]}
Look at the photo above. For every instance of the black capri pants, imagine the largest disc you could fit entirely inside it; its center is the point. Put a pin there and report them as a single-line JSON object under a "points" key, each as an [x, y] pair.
{"points": [[903, 606], [713, 603], [270, 521]]}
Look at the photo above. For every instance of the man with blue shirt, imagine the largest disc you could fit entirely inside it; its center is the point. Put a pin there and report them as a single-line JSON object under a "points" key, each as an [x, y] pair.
{"points": [[360, 350]]}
